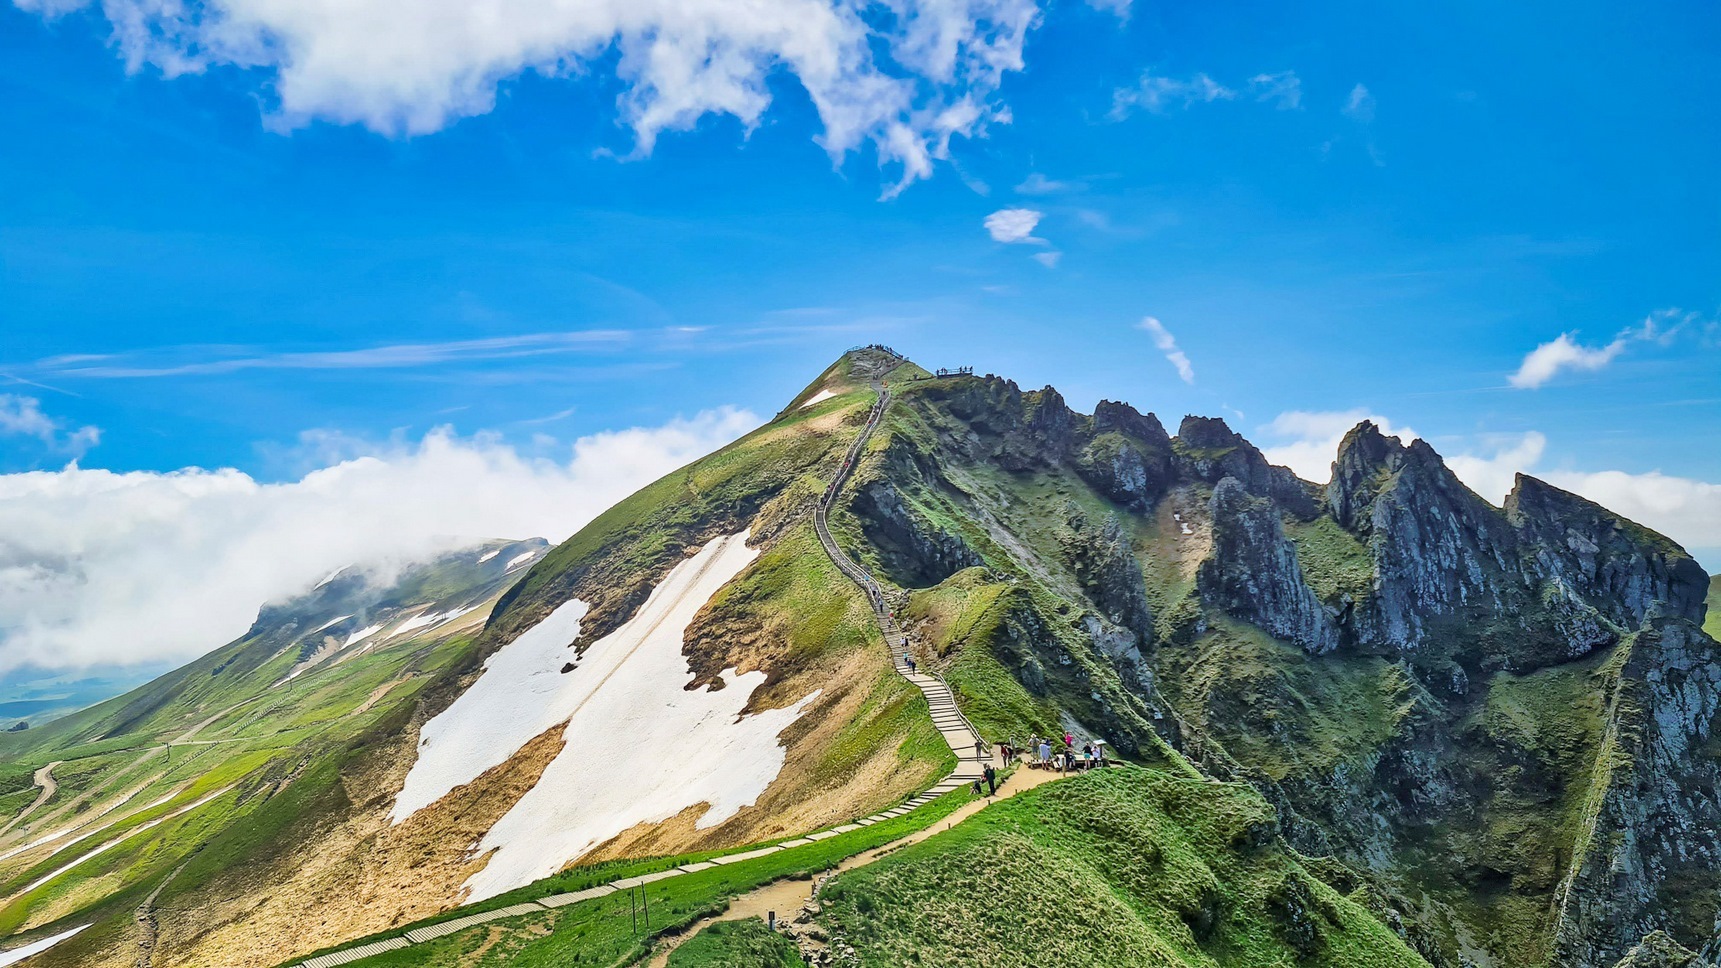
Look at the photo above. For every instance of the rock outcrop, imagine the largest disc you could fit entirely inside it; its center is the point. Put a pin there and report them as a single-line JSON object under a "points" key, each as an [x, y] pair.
{"points": [[1253, 573]]}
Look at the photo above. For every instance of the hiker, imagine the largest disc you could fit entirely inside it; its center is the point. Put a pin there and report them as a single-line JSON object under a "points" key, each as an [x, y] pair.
{"points": [[979, 749], [1087, 758], [908, 660], [991, 776], [976, 787], [1069, 742], [1045, 753]]}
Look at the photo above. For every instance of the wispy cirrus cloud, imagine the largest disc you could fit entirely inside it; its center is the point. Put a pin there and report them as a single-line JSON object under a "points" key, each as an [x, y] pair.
{"points": [[215, 360], [1284, 90], [1167, 344], [1564, 353], [1359, 105], [1157, 94]]}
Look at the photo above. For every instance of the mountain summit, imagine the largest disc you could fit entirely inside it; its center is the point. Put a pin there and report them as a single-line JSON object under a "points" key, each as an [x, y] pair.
{"points": [[1448, 733]]}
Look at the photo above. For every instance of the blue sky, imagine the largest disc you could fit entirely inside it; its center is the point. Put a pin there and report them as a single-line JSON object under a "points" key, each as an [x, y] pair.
{"points": [[268, 252]]}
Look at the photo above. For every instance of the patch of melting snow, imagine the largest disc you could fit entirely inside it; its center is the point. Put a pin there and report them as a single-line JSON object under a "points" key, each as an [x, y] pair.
{"points": [[36, 947], [819, 397], [680, 748], [330, 622], [1187, 529], [330, 577], [519, 560], [486, 556], [425, 620], [362, 634]]}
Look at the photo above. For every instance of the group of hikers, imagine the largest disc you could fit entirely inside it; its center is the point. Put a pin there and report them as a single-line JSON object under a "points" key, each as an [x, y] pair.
{"points": [[1041, 753]]}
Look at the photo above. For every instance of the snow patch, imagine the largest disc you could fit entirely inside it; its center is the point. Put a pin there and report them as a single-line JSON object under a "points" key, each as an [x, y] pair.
{"points": [[519, 560], [330, 622], [513, 700], [362, 634], [489, 555], [681, 748], [36, 947], [819, 397]]}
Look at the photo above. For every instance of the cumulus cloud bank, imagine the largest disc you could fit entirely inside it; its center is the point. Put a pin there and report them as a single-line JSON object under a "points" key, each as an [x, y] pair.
{"points": [[102, 567], [906, 76]]}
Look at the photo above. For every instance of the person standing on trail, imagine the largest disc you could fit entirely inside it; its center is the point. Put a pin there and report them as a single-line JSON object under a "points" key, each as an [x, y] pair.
{"points": [[991, 779], [1069, 742], [908, 660], [979, 749], [1045, 752]]}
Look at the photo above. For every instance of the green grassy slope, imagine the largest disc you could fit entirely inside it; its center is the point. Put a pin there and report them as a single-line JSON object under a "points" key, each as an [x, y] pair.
{"points": [[737, 944], [1123, 866]]}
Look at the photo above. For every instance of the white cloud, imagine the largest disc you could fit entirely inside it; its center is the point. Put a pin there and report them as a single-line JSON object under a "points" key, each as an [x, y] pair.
{"points": [[1049, 259], [1308, 441], [1563, 353], [1038, 184], [1118, 7], [23, 417], [1284, 89], [1661, 327], [1491, 472], [102, 567], [1359, 106], [907, 76], [1167, 344], [1014, 225], [1157, 94]]}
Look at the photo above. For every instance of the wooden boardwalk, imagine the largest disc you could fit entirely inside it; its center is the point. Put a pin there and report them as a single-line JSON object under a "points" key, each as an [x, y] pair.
{"points": [[957, 731]]}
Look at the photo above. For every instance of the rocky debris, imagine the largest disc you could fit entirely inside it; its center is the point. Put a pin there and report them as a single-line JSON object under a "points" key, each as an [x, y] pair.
{"points": [[1658, 950], [1253, 572]]}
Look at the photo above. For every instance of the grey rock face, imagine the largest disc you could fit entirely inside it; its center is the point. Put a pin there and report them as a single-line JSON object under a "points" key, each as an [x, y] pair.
{"points": [[1618, 568], [911, 549], [1253, 572], [1207, 449], [1658, 816]]}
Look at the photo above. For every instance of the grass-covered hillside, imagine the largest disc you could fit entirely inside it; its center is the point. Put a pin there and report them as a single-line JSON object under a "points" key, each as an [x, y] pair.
{"points": [[156, 803], [1115, 867]]}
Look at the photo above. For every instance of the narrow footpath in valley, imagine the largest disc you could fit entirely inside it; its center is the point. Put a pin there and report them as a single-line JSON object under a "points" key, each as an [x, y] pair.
{"points": [[45, 780]]}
